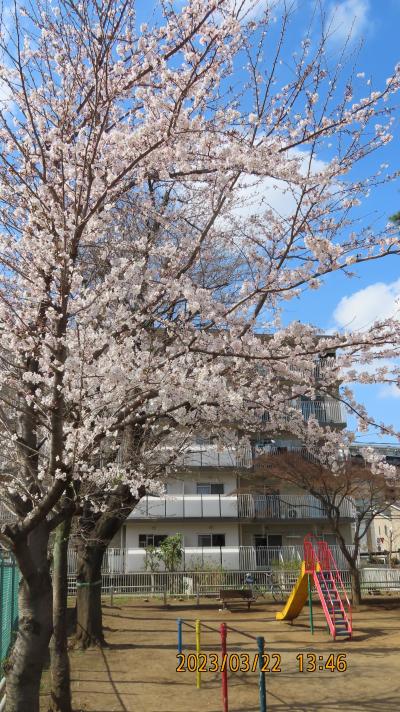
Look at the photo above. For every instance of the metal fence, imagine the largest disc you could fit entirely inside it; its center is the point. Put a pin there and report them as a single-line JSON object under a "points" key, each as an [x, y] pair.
{"points": [[9, 577], [229, 558], [186, 583]]}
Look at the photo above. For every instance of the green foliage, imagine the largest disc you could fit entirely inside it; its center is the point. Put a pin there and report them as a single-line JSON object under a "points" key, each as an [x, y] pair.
{"points": [[152, 560], [214, 574], [170, 552], [289, 565], [395, 219], [195, 563]]}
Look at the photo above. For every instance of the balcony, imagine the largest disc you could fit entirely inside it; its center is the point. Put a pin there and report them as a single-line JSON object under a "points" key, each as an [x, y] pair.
{"points": [[287, 506], [187, 506], [242, 506], [325, 411], [207, 454], [212, 456], [266, 557], [239, 558], [6, 515]]}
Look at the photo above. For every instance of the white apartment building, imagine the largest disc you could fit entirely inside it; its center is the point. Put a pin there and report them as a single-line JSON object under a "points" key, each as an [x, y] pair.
{"points": [[221, 524]]}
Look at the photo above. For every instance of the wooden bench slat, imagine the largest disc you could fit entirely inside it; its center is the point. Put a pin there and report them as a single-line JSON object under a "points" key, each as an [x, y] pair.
{"points": [[229, 594]]}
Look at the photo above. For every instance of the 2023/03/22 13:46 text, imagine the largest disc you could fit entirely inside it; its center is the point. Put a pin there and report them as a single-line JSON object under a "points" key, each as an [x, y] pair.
{"points": [[268, 663]]}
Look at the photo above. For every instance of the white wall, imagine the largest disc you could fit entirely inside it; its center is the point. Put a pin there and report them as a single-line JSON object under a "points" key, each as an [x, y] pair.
{"points": [[186, 483], [189, 531], [292, 534]]}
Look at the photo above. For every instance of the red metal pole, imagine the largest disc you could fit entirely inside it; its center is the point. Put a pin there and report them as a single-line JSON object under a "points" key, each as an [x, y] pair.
{"points": [[224, 672]]}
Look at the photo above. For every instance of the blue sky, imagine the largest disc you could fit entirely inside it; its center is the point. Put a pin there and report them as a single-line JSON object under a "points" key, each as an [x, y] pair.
{"points": [[373, 26], [373, 292]]}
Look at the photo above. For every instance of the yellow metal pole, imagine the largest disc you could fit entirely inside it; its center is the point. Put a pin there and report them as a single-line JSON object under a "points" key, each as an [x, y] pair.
{"points": [[198, 675]]}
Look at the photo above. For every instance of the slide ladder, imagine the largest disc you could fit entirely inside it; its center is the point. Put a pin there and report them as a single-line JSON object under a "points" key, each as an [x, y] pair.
{"points": [[320, 566], [332, 593]]}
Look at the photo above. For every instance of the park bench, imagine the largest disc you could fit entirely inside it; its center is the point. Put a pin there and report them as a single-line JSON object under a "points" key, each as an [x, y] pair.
{"points": [[232, 594]]}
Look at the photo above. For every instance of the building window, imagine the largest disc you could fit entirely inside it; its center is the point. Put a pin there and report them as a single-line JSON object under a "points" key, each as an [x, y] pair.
{"points": [[151, 540], [205, 440], [211, 540], [210, 488], [272, 540]]}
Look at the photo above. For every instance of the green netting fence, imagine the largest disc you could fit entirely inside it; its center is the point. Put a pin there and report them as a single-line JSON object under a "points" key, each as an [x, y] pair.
{"points": [[9, 578]]}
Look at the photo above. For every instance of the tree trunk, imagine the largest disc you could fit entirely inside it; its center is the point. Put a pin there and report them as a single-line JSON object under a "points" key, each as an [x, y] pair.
{"points": [[89, 618], [356, 596], [30, 651], [352, 559], [60, 669], [97, 530]]}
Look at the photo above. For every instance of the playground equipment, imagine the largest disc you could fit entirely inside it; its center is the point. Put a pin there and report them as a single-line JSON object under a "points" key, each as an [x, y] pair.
{"points": [[223, 632], [319, 569]]}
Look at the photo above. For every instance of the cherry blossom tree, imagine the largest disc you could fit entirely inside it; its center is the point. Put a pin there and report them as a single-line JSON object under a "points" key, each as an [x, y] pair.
{"points": [[335, 478], [99, 116]]}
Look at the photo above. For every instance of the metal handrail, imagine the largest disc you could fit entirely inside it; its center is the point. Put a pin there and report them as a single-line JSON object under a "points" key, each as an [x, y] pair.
{"points": [[329, 561], [329, 614]]}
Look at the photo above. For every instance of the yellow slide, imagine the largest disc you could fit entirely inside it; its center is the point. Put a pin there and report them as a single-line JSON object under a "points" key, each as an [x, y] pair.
{"points": [[297, 598]]}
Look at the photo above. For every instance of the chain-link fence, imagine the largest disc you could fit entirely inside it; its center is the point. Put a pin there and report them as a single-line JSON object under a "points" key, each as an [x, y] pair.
{"points": [[9, 577]]}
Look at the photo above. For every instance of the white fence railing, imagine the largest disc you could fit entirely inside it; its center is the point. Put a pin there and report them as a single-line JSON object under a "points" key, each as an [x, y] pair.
{"points": [[209, 582], [261, 557], [380, 578], [239, 558]]}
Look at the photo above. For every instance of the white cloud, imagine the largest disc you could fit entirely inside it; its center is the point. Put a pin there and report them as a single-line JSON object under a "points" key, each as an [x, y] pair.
{"points": [[250, 9], [361, 309], [258, 195], [348, 18], [247, 9], [389, 391]]}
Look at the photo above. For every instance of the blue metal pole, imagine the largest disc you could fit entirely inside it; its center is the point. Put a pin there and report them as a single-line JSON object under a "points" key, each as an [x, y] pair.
{"points": [[263, 694], [179, 622]]}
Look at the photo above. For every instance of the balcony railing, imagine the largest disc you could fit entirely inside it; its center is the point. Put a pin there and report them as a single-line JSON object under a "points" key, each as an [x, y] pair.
{"points": [[187, 506], [261, 557], [5, 514], [325, 411], [328, 411], [242, 506], [208, 455], [288, 506], [239, 558], [211, 456], [317, 369]]}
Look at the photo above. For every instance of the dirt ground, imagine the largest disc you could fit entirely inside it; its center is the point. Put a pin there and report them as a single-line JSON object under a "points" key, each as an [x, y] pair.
{"points": [[137, 672]]}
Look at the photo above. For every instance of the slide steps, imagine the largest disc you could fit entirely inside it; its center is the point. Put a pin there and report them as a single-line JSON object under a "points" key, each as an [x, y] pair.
{"points": [[320, 566]]}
